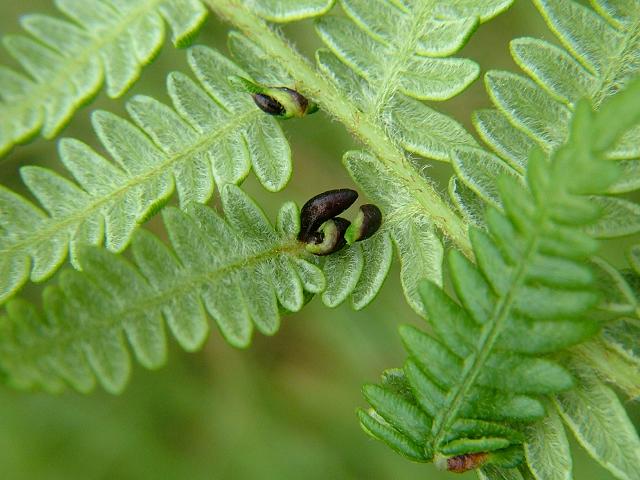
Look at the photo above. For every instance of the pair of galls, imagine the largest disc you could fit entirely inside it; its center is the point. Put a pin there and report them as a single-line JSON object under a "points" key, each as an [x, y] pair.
{"points": [[324, 232]]}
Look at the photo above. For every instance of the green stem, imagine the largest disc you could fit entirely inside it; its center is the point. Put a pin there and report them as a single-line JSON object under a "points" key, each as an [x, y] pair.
{"points": [[311, 84]]}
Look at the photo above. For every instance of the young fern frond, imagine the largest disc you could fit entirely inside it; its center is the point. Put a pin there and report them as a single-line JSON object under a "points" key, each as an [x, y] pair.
{"points": [[239, 269], [599, 57], [68, 60], [467, 386], [212, 134]]}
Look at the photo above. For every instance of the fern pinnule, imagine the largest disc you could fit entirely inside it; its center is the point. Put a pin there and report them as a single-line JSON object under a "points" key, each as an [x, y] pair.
{"points": [[212, 134], [283, 11], [67, 61], [419, 248], [528, 297]]}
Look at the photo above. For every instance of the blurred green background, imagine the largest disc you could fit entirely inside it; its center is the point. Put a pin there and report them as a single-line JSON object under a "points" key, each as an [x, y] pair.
{"points": [[283, 409]]}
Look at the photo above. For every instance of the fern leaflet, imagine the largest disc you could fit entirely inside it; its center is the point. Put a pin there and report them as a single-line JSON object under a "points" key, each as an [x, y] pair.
{"points": [[240, 270], [288, 10], [67, 61], [396, 52], [465, 387], [601, 425], [419, 248], [212, 134]]}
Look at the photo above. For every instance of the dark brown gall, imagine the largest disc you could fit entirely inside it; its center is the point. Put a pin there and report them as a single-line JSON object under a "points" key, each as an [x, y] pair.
{"points": [[323, 207]]}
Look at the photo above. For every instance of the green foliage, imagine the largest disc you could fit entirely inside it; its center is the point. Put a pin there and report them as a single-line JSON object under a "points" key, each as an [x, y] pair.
{"points": [[600, 56], [472, 392], [68, 60], [357, 272], [388, 55], [600, 423], [211, 135], [419, 248], [342, 92], [240, 270], [528, 297], [613, 356], [547, 448]]}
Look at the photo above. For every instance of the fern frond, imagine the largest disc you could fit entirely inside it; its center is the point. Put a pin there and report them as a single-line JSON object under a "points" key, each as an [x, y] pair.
{"points": [[477, 376], [417, 43], [68, 60], [397, 52], [212, 134], [385, 53], [239, 269], [600, 56]]}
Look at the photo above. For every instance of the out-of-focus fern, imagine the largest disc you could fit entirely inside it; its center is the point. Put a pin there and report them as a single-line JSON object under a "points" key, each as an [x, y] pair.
{"points": [[599, 57], [212, 134], [466, 387], [68, 60]]}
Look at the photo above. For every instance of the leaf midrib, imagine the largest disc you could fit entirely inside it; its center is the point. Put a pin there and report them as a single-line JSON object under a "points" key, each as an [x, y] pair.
{"points": [[404, 47], [117, 319], [205, 142], [489, 336]]}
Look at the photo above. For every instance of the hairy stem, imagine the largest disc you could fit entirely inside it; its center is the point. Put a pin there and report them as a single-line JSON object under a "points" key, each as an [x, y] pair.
{"points": [[370, 133]]}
